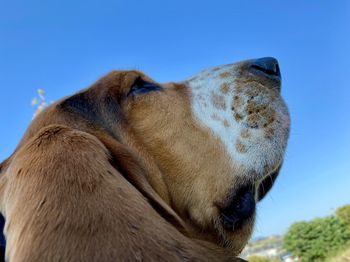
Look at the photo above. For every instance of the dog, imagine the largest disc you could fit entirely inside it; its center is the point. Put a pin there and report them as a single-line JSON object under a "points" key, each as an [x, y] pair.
{"points": [[133, 170]]}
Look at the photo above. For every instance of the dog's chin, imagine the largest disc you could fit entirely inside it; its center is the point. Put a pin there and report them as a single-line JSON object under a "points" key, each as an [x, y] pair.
{"points": [[234, 240]]}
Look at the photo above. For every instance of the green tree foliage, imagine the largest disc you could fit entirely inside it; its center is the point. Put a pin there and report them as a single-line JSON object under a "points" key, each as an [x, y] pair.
{"points": [[343, 213], [318, 239]]}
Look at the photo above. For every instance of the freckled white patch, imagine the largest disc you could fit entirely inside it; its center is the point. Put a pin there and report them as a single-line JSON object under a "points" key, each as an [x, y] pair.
{"points": [[259, 152]]}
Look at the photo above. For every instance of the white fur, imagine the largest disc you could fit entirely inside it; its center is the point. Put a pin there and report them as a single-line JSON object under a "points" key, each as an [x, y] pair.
{"points": [[261, 153]]}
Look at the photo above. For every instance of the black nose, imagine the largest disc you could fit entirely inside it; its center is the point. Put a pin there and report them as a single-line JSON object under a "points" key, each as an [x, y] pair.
{"points": [[266, 65], [240, 208]]}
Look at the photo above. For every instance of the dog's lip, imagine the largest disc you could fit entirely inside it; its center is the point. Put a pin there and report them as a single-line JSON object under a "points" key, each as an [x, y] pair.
{"points": [[241, 205], [239, 208], [266, 183]]}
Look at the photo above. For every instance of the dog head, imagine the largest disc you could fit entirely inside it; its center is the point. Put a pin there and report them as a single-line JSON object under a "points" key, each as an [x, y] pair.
{"points": [[211, 146], [218, 139]]}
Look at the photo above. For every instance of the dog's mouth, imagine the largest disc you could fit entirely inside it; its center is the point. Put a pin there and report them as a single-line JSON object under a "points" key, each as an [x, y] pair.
{"points": [[241, 206], [240, 209]]}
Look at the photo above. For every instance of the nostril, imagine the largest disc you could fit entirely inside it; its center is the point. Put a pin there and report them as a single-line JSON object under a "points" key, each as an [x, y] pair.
{"points": [[264, 70], [267, 65]]}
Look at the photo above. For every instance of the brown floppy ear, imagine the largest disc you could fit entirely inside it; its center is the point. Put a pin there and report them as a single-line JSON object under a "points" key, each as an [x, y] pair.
{"points": [[99, 109], [130, 166], [3, 166]]}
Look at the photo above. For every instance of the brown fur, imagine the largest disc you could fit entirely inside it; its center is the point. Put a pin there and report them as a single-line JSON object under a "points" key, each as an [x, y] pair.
{"points": [[218, 101], [224, 88], [94, 179]]}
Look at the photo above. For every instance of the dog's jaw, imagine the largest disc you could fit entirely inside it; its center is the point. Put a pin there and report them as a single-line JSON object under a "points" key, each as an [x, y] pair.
{"points": [[250, 119]]}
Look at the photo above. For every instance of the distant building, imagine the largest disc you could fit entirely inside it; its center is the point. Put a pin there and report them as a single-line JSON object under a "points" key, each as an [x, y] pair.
{"points": [[270, 247]]}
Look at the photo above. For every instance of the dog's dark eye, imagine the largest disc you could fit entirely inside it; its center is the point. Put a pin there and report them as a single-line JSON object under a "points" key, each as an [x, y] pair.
{"points": [[142, 87]]}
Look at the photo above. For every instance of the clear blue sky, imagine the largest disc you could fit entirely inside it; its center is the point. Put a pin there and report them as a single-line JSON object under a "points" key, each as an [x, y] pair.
{"points": [[63, 46]]}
